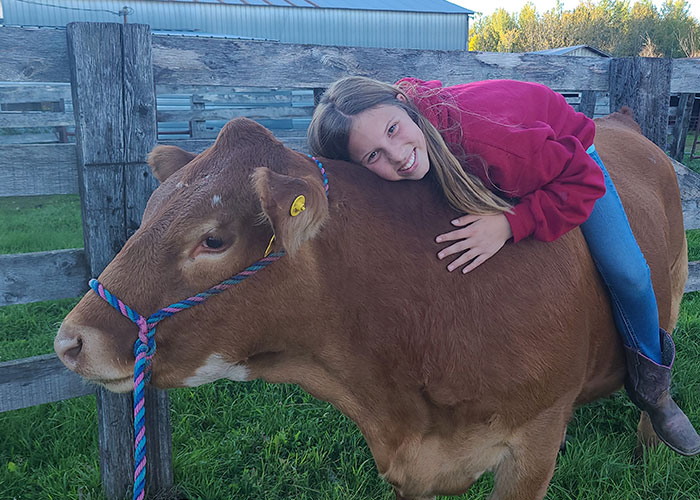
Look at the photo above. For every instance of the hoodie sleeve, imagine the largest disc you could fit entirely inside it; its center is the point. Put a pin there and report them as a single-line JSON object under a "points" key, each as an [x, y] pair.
{"points": [[558, 186]]}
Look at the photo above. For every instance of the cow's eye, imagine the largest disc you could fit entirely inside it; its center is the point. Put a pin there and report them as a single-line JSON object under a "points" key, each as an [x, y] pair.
{"points": [[213, 243]]}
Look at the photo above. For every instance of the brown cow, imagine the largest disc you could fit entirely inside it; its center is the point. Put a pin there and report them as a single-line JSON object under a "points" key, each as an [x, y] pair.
{"points": [[446, 375]]}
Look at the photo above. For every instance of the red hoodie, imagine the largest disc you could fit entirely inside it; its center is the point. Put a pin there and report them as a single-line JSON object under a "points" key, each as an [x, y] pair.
{"points": [[533, 142]]}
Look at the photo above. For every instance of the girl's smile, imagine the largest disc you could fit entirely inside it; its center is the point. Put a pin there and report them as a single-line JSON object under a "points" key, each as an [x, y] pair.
{"points": [[386, 141]]}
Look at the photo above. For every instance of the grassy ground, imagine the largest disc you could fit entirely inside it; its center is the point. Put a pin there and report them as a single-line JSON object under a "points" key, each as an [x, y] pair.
{"points": [[260, 441], [35, 223]]}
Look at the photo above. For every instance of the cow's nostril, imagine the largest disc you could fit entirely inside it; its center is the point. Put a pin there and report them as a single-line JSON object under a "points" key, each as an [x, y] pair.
{"points": [[68, 349], [71, 354]]}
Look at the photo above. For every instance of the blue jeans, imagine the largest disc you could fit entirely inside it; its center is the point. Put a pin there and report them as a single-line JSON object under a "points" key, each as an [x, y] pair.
{"points": [[625, 271]]}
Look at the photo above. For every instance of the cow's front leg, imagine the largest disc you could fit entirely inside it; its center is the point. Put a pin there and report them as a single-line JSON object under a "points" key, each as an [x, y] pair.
{"points": [[646, 437], [401, 497], [524, 473]]}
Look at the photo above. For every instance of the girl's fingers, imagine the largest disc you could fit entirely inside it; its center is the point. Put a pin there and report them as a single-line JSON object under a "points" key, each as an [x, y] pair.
{"points": [[465, 219], [476, 263], [463, 259], [460, 246], [457, 234]]}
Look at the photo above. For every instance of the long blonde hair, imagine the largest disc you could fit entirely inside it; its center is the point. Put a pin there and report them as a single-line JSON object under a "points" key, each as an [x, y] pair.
{"points": [[329, 133]]}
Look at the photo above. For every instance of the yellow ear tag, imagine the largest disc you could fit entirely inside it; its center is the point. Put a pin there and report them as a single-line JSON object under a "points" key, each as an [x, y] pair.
{"points": [[298, 205]]}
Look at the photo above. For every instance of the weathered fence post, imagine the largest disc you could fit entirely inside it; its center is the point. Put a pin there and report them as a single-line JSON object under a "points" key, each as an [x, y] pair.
{"points": [[114, 105], [682, 125], [588, 100], [643, 84], [318, 92], [198, 126]]}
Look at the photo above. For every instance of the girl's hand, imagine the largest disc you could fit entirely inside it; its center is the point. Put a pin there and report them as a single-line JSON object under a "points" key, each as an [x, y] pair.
{"points": [[479, 237]]}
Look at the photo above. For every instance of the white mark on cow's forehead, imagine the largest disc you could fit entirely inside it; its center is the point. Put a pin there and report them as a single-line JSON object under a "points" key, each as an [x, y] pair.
{"points": [[216, 200], [215, 368], [181, 184]]}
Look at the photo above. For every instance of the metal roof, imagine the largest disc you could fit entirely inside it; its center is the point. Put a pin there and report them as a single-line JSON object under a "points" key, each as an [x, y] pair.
{"points": [[439, 6], [562, 51], [359, 23]]}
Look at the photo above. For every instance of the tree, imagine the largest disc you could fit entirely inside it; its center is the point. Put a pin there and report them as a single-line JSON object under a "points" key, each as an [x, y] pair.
{"points": [[643, 26], [649, 49], [530, 38], [676, 24], [609, 25], [690, 44], [495, 33]]}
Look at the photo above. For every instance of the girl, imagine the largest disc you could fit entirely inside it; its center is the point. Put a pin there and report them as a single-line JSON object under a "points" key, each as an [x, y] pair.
{"points": [[494, 140]]}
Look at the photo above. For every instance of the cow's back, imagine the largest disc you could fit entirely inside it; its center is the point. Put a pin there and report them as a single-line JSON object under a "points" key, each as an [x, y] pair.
{"points": [[524, 327], [535, 315], [647, 184]]}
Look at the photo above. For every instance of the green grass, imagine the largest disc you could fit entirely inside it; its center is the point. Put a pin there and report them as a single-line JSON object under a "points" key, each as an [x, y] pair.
{"points": [[692, 164], [259, 441], [36, 223], [28, 329]]}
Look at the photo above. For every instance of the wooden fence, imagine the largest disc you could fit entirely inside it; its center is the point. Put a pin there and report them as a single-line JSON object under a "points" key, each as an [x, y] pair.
{"points": [[113, 70]]}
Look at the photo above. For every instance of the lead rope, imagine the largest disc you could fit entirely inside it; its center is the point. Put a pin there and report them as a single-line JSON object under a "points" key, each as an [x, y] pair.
{"points": [[145, 345]]}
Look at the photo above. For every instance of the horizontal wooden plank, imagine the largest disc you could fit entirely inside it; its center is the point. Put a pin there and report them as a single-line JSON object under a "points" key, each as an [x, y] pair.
{"points": [[277, 112], [33, 169], [38, 380], [198, 61], [40, 55], [192, 145], [689, 184], [693, 283], [688, 181], [32, 277], [245, 96], [685, 75], [33, 138], [33, 55], [691, 214], [293, 139], [36, 119], [40, 92]]}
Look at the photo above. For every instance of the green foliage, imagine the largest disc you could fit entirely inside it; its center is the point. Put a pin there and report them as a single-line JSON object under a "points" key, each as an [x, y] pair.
{"points": [[612, 26]]}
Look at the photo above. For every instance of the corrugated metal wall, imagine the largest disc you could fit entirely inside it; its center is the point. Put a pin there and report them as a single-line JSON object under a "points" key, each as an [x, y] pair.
{"points": [[364, 28]]}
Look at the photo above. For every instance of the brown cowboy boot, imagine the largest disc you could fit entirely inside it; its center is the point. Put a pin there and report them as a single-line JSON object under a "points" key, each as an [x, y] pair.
{"points": [[647, 385]]}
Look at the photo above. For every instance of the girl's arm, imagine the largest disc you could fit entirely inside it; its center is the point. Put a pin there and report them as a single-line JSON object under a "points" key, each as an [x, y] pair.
{"points": [[557, 189]]}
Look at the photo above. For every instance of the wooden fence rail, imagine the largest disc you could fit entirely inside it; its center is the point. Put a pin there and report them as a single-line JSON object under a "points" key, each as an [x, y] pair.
{"points": [[113, 71]]}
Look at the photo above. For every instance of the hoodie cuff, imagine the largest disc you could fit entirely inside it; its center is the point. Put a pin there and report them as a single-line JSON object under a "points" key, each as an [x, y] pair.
{"points": [[521, 221]]}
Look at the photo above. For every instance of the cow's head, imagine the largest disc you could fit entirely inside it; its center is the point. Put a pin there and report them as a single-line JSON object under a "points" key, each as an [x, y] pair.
{"points": [[212, 216]]}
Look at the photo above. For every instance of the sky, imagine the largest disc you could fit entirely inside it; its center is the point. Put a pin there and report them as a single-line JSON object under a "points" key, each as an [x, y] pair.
{"points": [[511, 6]]}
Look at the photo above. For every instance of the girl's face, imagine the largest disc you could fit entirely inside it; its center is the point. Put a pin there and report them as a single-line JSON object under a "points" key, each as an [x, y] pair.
{"points": [[385, 140]]}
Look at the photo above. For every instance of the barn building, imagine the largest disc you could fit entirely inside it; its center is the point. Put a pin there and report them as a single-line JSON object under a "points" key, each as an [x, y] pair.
{"points": [[411, 24], [574, 51]]}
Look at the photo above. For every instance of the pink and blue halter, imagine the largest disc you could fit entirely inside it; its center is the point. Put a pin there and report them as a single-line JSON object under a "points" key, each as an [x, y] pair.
{"points": [[145, 345]]}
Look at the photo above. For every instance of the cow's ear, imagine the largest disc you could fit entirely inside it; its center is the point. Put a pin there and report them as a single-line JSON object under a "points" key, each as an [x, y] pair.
{"points": [[166, 160], [295, 207]]}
